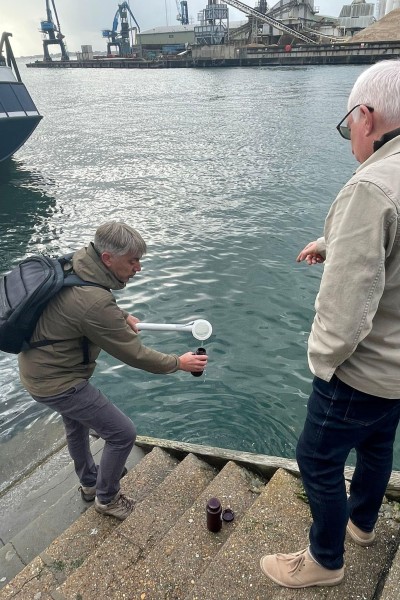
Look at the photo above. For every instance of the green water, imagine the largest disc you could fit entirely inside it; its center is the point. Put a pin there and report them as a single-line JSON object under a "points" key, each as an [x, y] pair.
{"points": [[227, 173]]}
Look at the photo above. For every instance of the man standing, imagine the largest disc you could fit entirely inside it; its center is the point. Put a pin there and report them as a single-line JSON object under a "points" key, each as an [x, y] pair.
{"points": [[81, 321], [354, 345]]}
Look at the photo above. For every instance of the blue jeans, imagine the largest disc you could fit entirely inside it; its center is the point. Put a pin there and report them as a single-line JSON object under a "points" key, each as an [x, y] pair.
{"points": [[84, 407], [340, 418]]}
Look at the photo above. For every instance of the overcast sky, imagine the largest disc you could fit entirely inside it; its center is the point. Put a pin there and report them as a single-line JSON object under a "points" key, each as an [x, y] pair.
{"points": [[82, 20]]}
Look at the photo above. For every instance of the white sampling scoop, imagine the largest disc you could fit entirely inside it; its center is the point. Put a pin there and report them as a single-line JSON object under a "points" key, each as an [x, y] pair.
{"points": [[200, 328]]}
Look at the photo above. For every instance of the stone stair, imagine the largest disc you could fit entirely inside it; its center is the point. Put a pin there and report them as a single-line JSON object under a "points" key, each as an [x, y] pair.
{"points": [[164, 551], [40, 507]]}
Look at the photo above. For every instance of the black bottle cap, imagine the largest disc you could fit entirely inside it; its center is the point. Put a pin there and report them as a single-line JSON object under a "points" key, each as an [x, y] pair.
{"points": [[228, 515], [214, 504]]}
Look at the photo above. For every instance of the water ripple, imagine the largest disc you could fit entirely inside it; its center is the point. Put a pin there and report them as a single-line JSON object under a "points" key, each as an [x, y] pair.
{"points": [[227, 173]]}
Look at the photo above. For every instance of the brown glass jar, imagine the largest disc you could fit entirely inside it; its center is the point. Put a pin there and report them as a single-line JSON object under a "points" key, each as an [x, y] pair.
{"points": [[214, 510], [199, 351]]}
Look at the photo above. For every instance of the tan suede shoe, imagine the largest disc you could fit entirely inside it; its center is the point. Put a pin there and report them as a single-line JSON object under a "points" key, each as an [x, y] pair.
{"points": [[299, 570], [360, 537]]}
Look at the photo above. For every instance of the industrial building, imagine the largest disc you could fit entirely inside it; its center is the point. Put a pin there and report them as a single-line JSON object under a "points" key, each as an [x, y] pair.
{"points": [[159, 36], [176, 35], [386, 6], [356, 16], [289, 32], [263, 25]]}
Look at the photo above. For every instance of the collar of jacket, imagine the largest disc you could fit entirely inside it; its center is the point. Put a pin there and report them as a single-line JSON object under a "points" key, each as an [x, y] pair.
{"points": [[388, 148], [88, 265], [386, 138]]}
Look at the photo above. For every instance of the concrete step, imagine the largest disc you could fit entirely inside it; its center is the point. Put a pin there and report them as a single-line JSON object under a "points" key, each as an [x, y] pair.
{"points": [[52, 481], [189, 548], [164, 550], [69, 550], [276, 514], [109, 568], [279, 521], [391, 587], [41, 506], [39, 490]]}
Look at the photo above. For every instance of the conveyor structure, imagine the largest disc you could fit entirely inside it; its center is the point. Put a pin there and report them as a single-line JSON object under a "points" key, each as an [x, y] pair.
{"points": [[248, 10]]}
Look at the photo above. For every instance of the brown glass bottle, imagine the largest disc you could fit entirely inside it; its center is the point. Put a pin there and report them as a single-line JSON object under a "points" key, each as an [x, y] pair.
{"points": [[214, 509], [199, 351]]}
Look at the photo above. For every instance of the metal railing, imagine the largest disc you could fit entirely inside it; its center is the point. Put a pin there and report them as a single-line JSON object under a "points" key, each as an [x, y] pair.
{"points": [[9, 55]]}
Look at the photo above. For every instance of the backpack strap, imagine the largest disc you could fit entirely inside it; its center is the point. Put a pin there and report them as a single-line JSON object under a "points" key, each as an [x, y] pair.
{"points": [[85, 350], [70, 280], [64, 260]]}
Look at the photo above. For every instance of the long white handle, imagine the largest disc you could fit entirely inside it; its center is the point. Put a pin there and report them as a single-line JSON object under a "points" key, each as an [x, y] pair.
{"points": [[200, 329]]}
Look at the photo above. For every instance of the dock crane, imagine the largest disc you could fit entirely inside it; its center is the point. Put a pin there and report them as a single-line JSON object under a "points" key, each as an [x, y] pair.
{"points": [[121, 39], [53, 32], [183, 13]]}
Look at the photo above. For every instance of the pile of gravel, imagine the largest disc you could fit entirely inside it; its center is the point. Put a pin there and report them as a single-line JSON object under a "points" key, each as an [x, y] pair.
{"points": [[386, 29]]}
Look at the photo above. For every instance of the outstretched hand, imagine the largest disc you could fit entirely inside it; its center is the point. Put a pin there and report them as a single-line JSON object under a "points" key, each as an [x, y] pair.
{"points": [[193, 362], [187, 362], [132, 322], [310, 254]]}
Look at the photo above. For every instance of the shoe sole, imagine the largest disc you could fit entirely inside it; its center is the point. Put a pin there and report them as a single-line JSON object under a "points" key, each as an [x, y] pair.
{"points": [[110, 514], [358, 540], [299, 586]]}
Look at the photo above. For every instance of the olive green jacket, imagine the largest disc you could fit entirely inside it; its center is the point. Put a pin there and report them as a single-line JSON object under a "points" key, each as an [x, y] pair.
{"points": [[91, 312], [356, 329]]}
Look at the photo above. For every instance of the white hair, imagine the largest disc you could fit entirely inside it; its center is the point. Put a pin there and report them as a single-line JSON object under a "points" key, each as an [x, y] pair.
{"points": [[379, 87], [119, 238]]}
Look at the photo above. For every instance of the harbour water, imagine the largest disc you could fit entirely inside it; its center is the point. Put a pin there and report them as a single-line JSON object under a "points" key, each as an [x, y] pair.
{"points": [[227, 173]]}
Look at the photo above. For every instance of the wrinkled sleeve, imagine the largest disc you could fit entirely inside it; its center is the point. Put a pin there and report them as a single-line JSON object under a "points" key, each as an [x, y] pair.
{"points": [[105, 326], [321, 246], [359, 231]]}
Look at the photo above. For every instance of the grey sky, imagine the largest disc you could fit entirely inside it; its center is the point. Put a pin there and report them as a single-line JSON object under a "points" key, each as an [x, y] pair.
{"points": [[82, 20]]}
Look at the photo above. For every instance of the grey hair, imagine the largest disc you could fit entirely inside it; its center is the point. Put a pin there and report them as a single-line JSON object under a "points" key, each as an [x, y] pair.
{"points": [[379, 87], [119, 238]]}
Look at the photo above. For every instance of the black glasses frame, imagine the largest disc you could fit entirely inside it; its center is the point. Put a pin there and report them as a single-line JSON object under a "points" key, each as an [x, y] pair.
{"points": [[344, 130]]}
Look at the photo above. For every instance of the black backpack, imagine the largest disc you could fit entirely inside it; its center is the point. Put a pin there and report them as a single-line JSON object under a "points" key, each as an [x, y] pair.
{"points": [[24, 294]]}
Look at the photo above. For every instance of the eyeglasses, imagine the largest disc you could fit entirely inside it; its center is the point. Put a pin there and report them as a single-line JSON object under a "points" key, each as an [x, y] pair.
{"points": [[344, 130]]}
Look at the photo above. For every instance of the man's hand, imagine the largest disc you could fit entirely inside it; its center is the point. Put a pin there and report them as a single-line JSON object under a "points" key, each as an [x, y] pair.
{"points": [[132, 321], [193, 362], [310, 254]]}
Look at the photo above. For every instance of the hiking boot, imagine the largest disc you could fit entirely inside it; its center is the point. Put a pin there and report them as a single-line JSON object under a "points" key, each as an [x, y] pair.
{"points": [[298, 570], [360, 537], [89, 493], [120, 507]]}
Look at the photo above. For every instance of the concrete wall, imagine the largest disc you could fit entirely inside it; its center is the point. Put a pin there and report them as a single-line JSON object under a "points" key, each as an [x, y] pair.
{"points": [[214, 52]]}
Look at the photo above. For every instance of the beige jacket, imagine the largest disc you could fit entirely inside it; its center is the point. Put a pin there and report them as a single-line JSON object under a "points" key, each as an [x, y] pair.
{"points": [[356, 329], [85, 311]]}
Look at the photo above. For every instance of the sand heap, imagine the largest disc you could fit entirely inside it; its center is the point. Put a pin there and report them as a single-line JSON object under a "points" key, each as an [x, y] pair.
{"points": [[386, 29]]}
